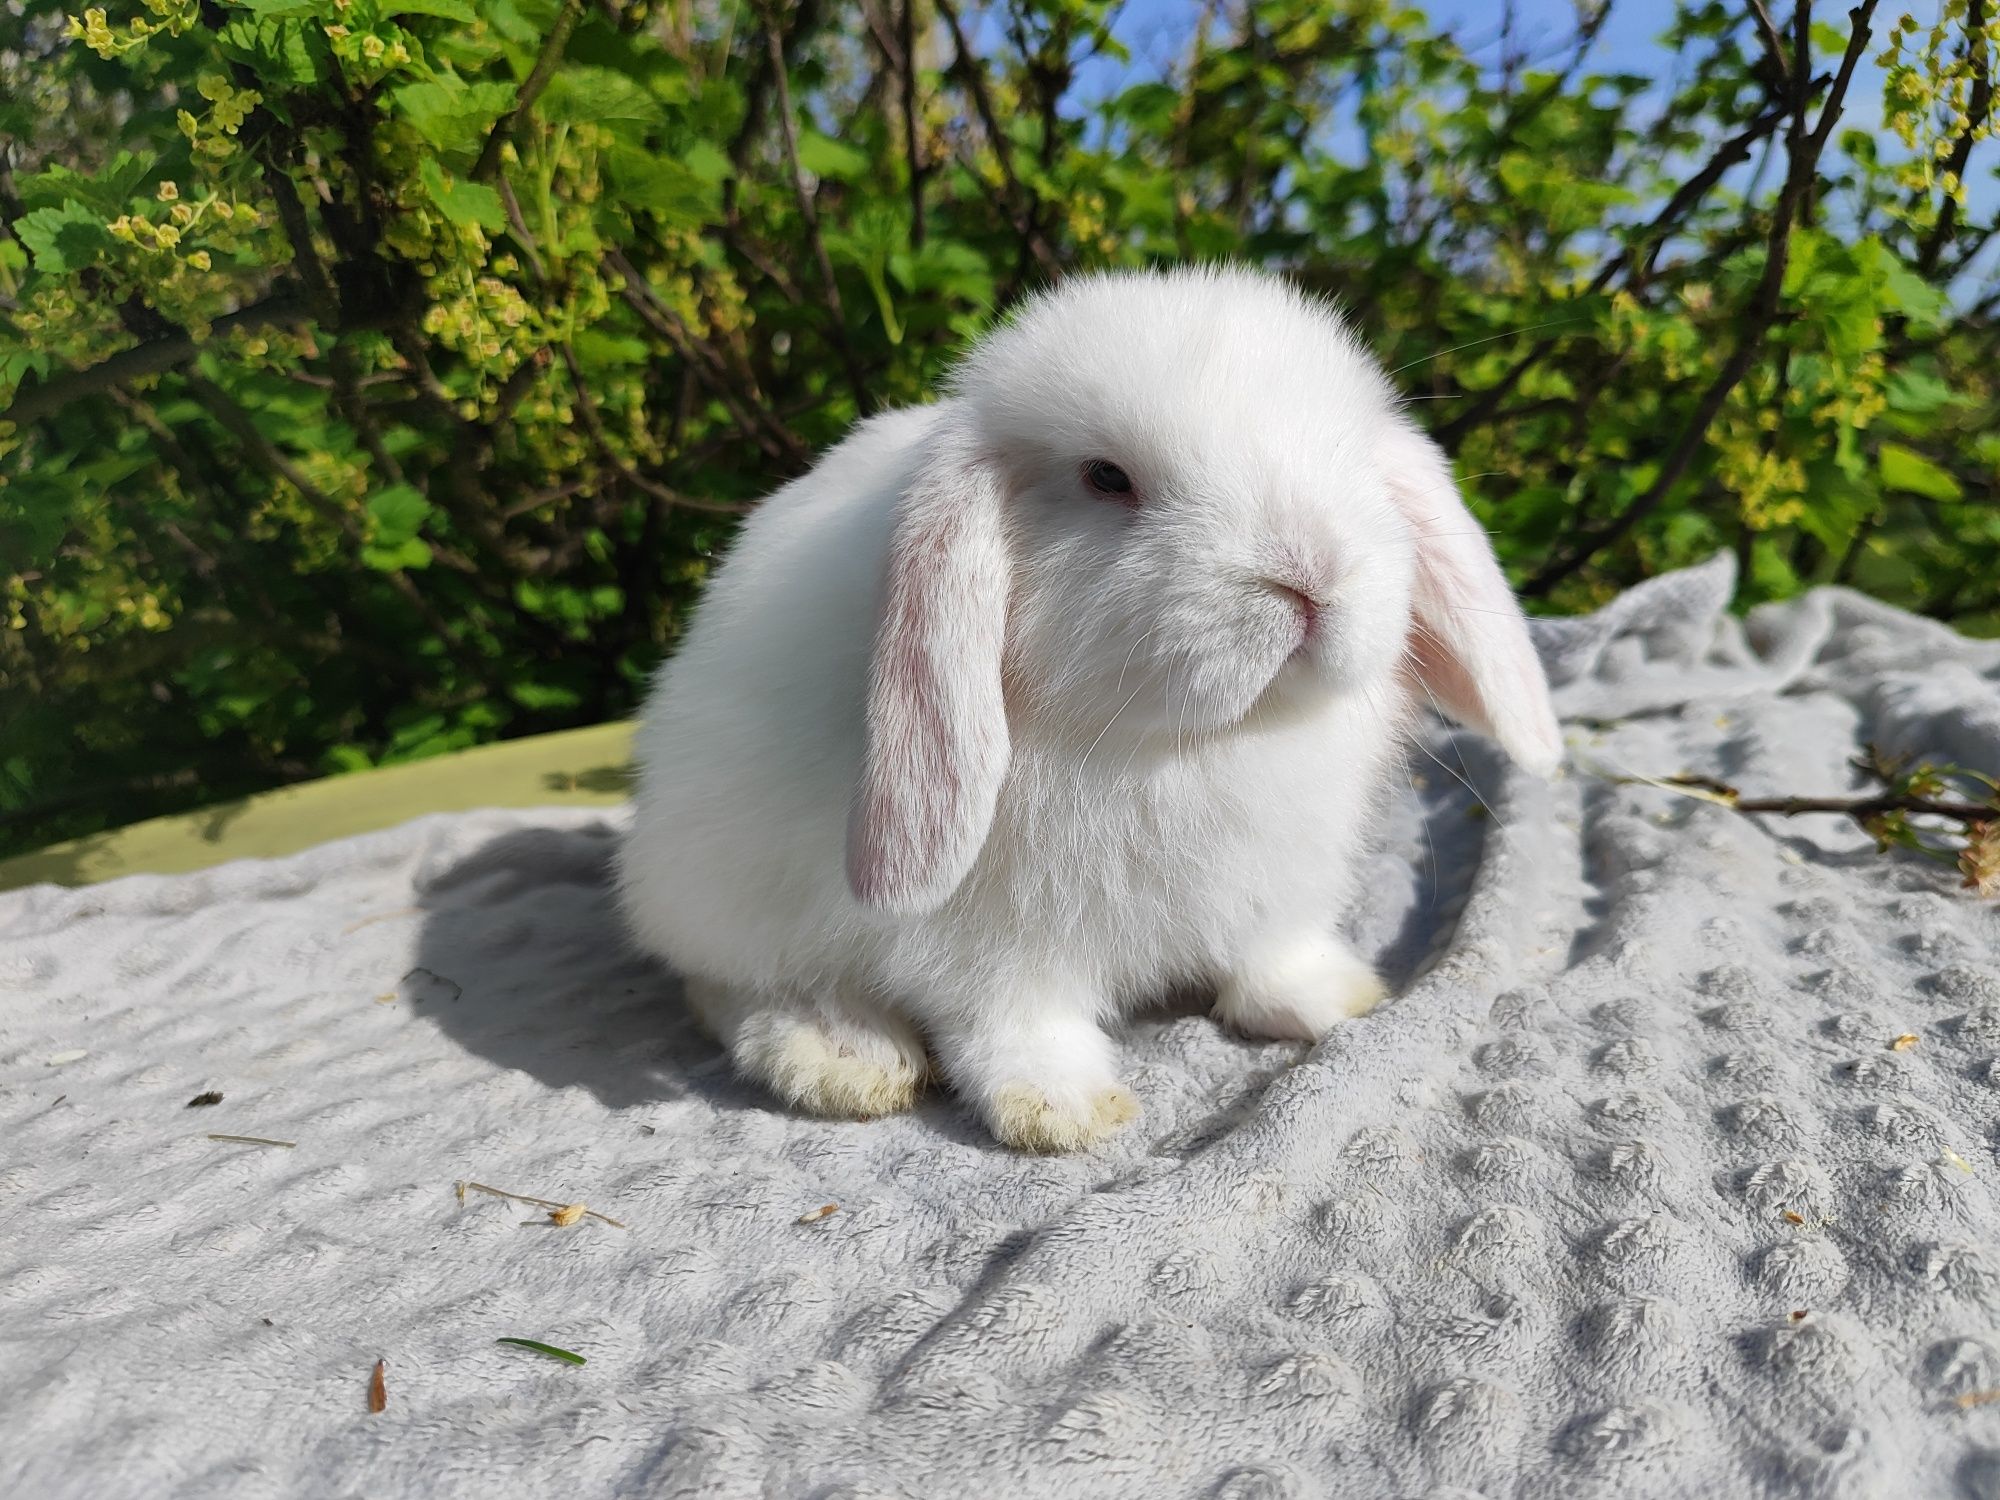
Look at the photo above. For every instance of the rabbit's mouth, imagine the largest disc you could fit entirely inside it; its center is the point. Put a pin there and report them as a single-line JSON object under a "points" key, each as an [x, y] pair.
{"points": [[1299, 688]]}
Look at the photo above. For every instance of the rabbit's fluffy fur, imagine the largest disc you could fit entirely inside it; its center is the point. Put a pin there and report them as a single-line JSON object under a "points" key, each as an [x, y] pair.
{"points": [[967, 749]]}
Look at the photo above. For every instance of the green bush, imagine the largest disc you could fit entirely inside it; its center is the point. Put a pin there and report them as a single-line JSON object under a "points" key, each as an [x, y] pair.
{"points": [[379, 376]]}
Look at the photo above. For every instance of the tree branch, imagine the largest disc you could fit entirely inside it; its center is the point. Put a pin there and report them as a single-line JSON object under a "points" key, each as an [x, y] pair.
{"points": [[1774, 42], [912, 135], [1861, 809], [531, 88], [269, 457], [836, 315], [593, 423], [804, 16], [1977, 107], [153, 357], [774, 439], [1023, 205], [1804, 152], [1733, 151]]}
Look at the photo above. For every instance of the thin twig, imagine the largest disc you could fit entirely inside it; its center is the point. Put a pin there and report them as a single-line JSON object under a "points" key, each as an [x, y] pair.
{"points": [[1858, 808], [480, 1187], [1635, 260], [836, 316], [1024, 206], [531, 88], [519, 224], [1804, 151], [327, 309], [1977, 106], [586, 408], [912, 117], [776, 441], [153, 357], [804, 16], [253, 1140], [1774, 42]]}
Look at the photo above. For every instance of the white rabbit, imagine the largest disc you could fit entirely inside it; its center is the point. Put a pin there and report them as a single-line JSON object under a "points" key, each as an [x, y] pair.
{"points": [[1083, 683]]}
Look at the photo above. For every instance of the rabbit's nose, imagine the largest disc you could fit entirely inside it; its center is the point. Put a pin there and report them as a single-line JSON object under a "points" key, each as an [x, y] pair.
{"points": [[1306, 604]]}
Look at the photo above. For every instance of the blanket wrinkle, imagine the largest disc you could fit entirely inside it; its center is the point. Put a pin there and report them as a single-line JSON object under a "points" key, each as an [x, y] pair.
{"points": [[1639, 1187]]}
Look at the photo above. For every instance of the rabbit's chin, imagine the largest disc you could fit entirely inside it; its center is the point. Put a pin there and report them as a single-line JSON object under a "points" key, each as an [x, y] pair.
{"points": [[1303, 688]]}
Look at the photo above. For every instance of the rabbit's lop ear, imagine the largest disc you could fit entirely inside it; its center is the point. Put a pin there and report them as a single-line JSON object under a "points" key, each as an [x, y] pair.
{"points": [[937, 743], [1469, 644]]}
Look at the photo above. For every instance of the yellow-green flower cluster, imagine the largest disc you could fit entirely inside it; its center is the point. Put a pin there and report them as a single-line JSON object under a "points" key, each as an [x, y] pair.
{"points": [[492, 325], [1769, 483], [368, 56], [214, 136], [93, 28], [1927, 93]]}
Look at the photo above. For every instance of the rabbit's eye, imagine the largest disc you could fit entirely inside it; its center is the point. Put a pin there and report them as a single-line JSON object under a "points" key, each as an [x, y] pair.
{"points": [[1107, 479]]}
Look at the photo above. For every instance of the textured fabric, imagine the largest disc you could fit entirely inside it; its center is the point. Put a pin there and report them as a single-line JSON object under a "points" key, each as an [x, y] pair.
{"points": [[1629, 1193]]}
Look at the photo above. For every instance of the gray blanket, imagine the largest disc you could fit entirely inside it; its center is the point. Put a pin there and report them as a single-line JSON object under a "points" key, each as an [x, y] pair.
{"points": [[1630, 1192]]}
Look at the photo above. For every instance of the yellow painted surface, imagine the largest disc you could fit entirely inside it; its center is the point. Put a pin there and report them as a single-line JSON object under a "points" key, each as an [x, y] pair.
{"points": [[577, 768]]}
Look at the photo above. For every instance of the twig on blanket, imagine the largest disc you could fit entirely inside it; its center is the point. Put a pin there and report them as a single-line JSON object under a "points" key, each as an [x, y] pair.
{"points": [[561, 1214], [253, 1140], [1967, 801], [381, 916]]}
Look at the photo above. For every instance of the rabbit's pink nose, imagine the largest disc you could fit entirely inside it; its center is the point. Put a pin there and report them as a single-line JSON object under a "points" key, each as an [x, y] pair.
{"points": [[1308, 606]]}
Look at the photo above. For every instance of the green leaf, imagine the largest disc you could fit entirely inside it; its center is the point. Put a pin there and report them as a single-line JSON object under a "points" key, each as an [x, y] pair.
{"points": [[830, 158], [1907, 470], [39, 509], [17, 365], [543, 696], [269, 8], [399, 513], [707, 161], [641, 179], [415, 553], [107, 189], [585, 95], [280, 50], [453, 116], [462, 202], [63, 239], [451, 10], [1770, 570], [340, 759], [1916, 393], [597, 349], [566, 1355]]}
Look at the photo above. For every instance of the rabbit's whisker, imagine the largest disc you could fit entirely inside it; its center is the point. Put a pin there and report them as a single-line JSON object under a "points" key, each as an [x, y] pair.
{"points": [[1491, 338], [1400, 749], [1108, 723], [1461, 779]]}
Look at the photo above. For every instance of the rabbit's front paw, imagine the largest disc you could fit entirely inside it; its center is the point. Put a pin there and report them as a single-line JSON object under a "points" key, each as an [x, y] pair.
{"points": [[1299, 992], [1029, 1117], [845, 1068], [1040, 1072]]}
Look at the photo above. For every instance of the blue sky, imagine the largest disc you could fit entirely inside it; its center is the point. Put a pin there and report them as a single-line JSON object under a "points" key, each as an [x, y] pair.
{"points": [[1158, 32]]}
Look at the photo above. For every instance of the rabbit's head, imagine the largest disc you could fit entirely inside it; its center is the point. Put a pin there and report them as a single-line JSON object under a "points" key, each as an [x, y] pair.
{"points": [[1162, 508]]}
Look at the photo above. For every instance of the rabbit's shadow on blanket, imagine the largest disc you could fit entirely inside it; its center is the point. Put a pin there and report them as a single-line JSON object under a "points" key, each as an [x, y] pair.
{"points": [[522, 959]]}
